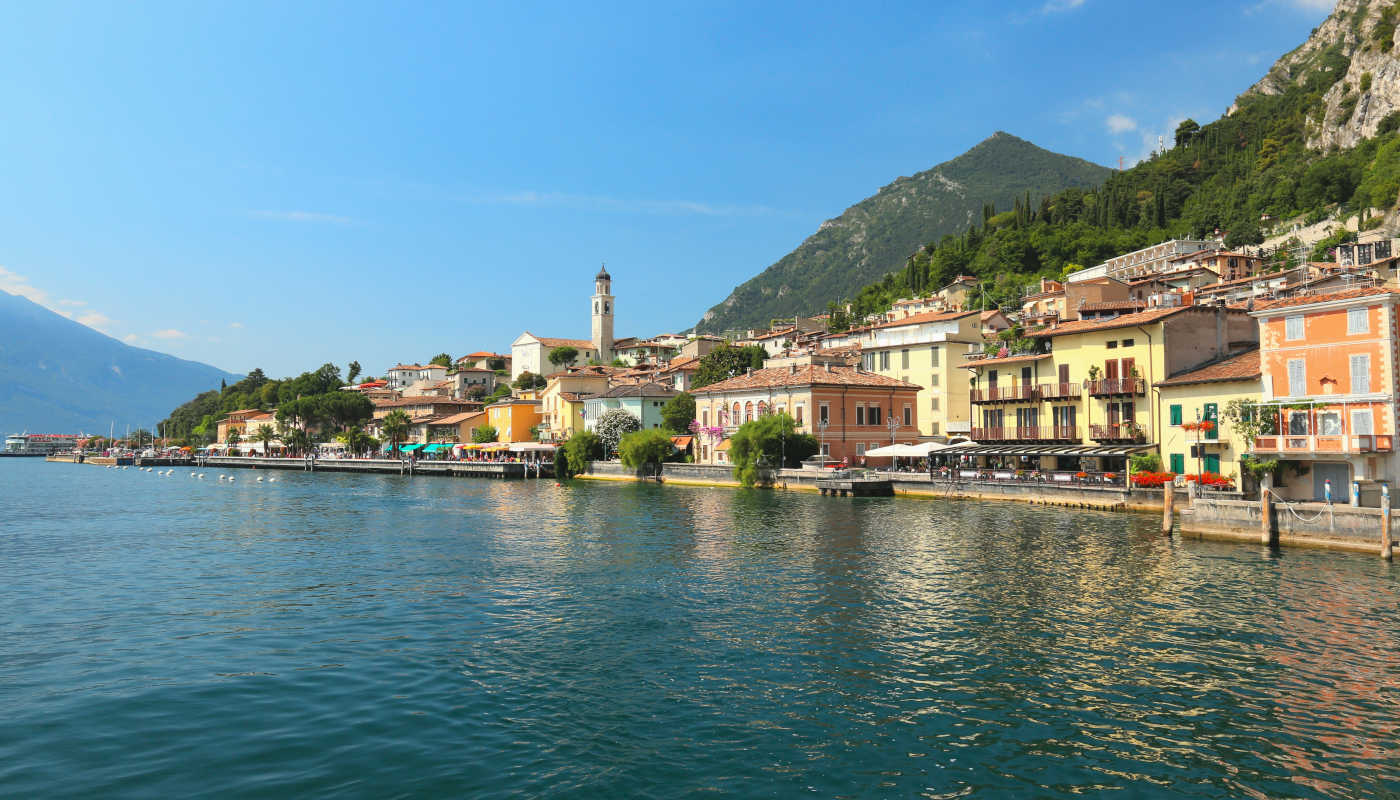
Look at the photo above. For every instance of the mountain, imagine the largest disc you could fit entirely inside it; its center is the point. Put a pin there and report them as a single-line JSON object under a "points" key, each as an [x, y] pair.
{"points": [[57, 376], [876, 235], [1355, 47], [1305, 160]]}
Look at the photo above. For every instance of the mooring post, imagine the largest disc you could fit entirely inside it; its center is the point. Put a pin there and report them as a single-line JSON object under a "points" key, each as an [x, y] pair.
{"points": [[1168, 500], [1266, 522], [1387, 549]]}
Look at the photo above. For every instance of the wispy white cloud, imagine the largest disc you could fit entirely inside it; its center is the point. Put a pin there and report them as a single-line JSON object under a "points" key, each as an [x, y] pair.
{"points": [[303, 216], [74, 303], [15, 283], [586, 202], [1120, 123], [170, 333], [131, 338], [1322, 7], [1057, 6], [93, 319], [235, 324]]}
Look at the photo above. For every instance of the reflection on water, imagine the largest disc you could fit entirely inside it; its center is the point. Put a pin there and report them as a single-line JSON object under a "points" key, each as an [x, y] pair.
{"points": [[388, 635]]}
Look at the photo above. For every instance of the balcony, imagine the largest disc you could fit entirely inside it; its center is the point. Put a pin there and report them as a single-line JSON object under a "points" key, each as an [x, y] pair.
{"points": [[1124, 433], [1325, 445], [1024, 433], [1059, 391], [1111, 387], [1023, 392]]}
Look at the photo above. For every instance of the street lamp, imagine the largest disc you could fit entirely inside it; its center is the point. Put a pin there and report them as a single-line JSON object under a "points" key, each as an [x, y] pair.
{"points": [[822, 425]]}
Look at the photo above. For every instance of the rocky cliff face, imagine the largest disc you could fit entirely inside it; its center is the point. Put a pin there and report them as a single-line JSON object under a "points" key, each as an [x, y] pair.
{"points": [[1357, 44]]}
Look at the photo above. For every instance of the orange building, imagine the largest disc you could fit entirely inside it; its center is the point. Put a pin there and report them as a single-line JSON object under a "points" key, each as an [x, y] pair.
{"points": [[1328, 369], [513, 418], [850, 410]]}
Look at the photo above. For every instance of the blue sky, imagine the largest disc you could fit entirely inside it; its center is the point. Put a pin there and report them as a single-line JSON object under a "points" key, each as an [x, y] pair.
{"points": [[281, 185]]}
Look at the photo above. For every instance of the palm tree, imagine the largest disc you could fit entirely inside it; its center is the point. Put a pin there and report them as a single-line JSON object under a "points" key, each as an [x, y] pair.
{"points": [[395, 427], [265, 434], [296, 440]]}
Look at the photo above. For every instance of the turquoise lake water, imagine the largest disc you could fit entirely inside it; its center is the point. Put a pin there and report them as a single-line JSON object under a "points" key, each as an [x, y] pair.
{"points": [[380, 636]]}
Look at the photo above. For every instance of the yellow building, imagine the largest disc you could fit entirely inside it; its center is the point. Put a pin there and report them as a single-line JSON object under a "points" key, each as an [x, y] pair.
{"points": [[930, 351], [1088, 389], [513, 418], [562, 400], [1202, 395]]}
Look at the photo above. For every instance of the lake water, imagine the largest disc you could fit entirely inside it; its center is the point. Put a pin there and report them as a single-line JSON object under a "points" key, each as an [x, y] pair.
{"points": [[375, 636]]}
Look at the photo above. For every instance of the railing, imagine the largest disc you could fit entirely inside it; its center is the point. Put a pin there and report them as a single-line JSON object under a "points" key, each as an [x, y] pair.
{"points": [[1052, 477], [1112, 386], [1358, 443], [1027, 433], [1005, 394], [1124, 432], [1059, 391]]}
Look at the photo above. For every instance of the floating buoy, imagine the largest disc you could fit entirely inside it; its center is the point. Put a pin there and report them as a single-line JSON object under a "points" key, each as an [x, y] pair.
{"points": [[259, 480], [201, 476]]}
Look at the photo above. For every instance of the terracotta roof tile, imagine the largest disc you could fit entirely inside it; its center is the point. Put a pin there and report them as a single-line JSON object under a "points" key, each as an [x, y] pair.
{"points": [[1241, 367], [582, 344], [1124, 321], [991, 362], [809, 375], [1307, 300], [927, 316]]}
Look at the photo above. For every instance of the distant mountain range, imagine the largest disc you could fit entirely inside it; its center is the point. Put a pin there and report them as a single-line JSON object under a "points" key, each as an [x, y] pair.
{"points": [[876, 235], [57, 376]]}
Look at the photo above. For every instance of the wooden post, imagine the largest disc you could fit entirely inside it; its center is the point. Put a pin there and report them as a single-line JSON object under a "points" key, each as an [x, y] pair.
{"points": [[1168, 500], [1386, 548], [1266, 523]]}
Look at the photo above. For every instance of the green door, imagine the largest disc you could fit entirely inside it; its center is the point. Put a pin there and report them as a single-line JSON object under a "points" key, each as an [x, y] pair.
{"points": [[1178, 463], [1212, 413], [1212, 463]]}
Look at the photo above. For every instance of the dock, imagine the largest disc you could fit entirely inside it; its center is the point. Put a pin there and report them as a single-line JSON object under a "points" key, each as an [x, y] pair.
{"points": [[855, 484]]}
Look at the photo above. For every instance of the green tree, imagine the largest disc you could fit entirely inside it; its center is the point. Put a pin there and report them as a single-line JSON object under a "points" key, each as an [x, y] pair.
{"points": [[234, 437], [395, 427], [678, 413], [264, 435], [768, 440], [495, 363], [612, 426], [573, 457], [297, 440], [1186, 132], [641, 449], [563, 356], [727, 361], [352, 372], [484, 434], [529, 380], [441, 359]]}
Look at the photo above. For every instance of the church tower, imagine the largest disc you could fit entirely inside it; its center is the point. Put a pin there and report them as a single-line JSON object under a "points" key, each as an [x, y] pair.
{"points": [[603, 315]]}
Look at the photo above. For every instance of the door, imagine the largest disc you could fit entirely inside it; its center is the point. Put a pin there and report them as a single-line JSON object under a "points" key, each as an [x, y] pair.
{"points": [[1211, 414], [1339, 474], [1212, 463]]}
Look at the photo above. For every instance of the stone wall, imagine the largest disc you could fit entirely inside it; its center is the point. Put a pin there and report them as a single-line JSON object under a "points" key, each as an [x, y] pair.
{"points": [[1316, 524]]}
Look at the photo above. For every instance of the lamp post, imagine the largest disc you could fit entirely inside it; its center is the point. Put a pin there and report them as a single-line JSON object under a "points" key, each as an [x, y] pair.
{"points": [[822, 425], [1198, 452]]}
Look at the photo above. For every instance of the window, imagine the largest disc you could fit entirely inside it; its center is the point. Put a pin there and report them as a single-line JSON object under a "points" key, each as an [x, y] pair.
{"points": [[705, 418], [1361, 422], [868, 361], [1293, 328], [1113, 344], [1212, 463], [1127, 343], [933, 356], [933, 404], [1063, 371], [860, 448], [1176, 414], [1297, 379], [1298, 423], [1178, 463], [826, 449], [1358, 321], [801, 409], [824, 413], [933, 379], [884, 359], [908, 415], [1211, 414], [904, 358], [933, 428], [1360, 374], [1329, 423], [874, 416], [860, 415]]}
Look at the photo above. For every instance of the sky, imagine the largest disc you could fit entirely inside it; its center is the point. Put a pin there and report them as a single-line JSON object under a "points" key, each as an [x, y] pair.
{"points": [[280, 185]]}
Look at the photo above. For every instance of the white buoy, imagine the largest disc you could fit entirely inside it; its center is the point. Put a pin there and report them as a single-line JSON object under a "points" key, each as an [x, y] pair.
{"points": [[260, 480], [191, 474], [201, 476], [270, 480]]}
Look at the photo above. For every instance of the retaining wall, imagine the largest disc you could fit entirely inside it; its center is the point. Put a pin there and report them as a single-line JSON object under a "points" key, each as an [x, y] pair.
{"points": [[1342, 527]]}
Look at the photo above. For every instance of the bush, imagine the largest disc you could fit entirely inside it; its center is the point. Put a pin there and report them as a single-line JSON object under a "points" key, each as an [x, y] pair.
{"points": [[769, 438], [573, 457], [641, 448], [612, 426], [484, 434], [1145, 462]]}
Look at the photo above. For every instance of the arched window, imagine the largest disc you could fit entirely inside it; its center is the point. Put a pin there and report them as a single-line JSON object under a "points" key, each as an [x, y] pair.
{"points": [[762, 408], [748, 412], [735, 416]]}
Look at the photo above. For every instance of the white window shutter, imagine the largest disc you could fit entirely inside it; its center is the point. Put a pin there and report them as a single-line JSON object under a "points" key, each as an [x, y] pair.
{"points": [[1360, 374], [1297, 380]]}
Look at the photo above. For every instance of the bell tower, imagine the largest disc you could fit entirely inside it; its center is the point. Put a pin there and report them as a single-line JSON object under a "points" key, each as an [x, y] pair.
{"points": [[603, 315]]}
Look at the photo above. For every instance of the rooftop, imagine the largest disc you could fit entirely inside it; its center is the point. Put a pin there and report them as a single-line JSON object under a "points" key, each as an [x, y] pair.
{"points": [[927, 316], [1241, 367], [809, 375], [1124, 321], [1312, 299], [640, 390]]}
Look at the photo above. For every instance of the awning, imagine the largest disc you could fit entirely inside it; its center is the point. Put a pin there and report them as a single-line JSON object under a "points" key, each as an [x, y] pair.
{"points": [[1080, 451], [408, 448], [531, 447], [433, 448]]}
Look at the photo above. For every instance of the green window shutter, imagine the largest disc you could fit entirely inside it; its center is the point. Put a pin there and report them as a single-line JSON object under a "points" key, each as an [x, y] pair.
{"points": [[1178, 461], [1212, 462], [1212, 413], [1176, 414]]}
